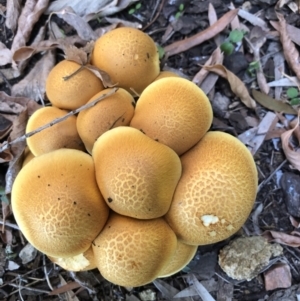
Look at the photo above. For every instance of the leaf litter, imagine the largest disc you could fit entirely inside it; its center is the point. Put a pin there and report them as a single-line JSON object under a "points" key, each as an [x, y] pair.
{"points": [[22, 52]]}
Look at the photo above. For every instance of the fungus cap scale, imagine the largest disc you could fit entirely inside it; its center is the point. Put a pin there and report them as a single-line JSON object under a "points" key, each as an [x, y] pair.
{"points": [[129, 56], [173, 111], [58, 212], [136, 175], [216, 192], [132, 252]]}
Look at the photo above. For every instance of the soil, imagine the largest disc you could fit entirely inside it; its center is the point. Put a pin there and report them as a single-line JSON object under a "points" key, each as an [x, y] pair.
{"points": [[273, 216]]}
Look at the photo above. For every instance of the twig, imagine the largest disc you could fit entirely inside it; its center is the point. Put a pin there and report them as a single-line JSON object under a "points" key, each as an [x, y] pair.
{"points": [[8, 224], [156, 16], [57, 120], [46, 273], [264, 182], [29, 288]]}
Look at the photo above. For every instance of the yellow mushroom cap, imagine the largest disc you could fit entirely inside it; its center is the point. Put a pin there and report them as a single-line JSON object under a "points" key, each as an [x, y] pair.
{"points": [[61, 135], [173, 111], [132, 252], [183, 255], [74, 92], [129, 56], [136, 175], [113, 111], [82, 262], [216, 192], [57, 203]]}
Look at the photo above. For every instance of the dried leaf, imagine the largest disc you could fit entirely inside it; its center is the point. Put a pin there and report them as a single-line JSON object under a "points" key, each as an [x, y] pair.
{"points": [[210, 32], [285, 82], [292, 31], [213, 18], [290, 52], [278, 276], [267, 123], [273, 104], [216, 58], [17, 150], [117, 22], [78, 55], [236, 85], [33, 85], [13, 8], [105, 78], [5, 126], [83, 29], [201, 290], [292, 240], [166, 289], [15, 105], [25, 52], [29, 16], [254, 20], [5, 55], [291, 154], [90, 9]]}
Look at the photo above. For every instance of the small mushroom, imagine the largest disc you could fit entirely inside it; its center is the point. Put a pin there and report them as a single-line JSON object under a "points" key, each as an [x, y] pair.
{"points": [[57, 203], [132, 252], [113, 111], [173, 111], [60, 135], [69, 88], [129, 56], [216, 192], [183, 255], [136, 175]]}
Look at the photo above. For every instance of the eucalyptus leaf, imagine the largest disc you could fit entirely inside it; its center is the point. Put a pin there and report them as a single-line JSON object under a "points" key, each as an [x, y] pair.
{"points": [[273, 104]]}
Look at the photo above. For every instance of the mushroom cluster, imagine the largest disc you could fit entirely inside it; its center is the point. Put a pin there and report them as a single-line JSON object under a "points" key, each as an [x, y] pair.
{"points": [[130, 187]]}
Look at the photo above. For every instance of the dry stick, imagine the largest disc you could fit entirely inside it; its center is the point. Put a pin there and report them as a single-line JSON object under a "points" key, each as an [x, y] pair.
{"points": [[264, 182], [57, 120]]}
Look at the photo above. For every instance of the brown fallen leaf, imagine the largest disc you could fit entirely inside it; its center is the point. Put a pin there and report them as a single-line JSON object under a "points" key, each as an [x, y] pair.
{"points": [[83, 29], [206, 34], [293, 32], [236, 85], [216, 58], [213, 18], [278, 276], [292, 240], [290, 52], [5, 126], [33, 85], [273, 104], [291, 154], [30, 14]]}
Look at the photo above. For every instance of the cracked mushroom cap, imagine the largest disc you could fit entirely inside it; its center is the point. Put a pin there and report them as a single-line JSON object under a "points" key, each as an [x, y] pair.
{"points": [[113, 111], [82, 262], [57, 203], [136, 175], [173, 111], [216, 192], [183, 255], [75, 91], [132, 252], [61, 135], [129, 56]]}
